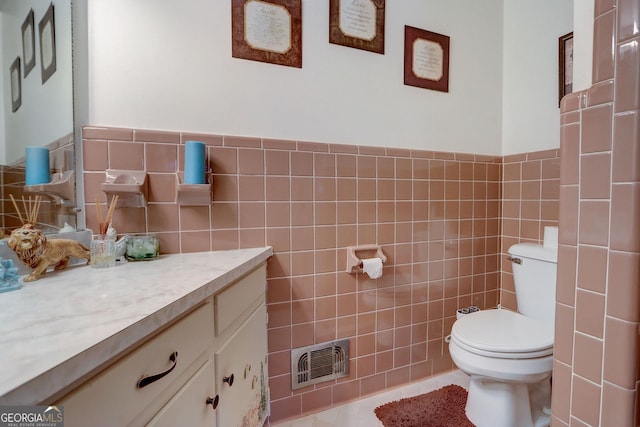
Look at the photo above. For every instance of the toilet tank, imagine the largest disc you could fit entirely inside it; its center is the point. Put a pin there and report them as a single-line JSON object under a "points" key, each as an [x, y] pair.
{"points": [[534, 277]]}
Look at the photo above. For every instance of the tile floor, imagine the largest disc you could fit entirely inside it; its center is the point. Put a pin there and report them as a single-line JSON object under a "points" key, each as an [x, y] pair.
{"points": [[360, 413]]}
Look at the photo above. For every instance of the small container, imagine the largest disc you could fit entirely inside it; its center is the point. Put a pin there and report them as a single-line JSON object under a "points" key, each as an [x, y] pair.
{"points": [[103, 253], [142, 247]]}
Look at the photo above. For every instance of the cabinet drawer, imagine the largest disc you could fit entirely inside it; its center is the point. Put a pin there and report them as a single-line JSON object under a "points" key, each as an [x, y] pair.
{"points": [[245, 400], [189, 406], [113, 397], [235, 303]]}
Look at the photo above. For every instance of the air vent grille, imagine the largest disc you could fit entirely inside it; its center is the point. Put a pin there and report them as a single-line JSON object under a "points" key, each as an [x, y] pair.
{"points": [[319, 362]]}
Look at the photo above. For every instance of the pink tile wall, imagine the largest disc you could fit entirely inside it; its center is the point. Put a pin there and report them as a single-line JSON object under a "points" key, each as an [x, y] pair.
{"points": [[598, 302], [445, 226], [530, 194], [52, 215], [436, 216]]}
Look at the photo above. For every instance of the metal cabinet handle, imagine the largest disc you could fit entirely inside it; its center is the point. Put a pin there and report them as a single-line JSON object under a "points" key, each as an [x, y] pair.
{"points": [[145, 381], [514, 259], [213, 401], [228, 380]]}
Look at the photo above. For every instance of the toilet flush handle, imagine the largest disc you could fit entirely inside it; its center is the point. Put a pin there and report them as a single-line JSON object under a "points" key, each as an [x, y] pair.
{"points": [[514, 259]]}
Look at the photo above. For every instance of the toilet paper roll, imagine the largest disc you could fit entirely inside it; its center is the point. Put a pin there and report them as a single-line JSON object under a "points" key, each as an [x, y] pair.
{"points": [[373, 267]]}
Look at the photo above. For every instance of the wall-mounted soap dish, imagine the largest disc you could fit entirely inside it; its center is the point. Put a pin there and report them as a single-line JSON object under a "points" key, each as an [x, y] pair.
{"points": [[61, 188], [193, 194], [130, 186]]}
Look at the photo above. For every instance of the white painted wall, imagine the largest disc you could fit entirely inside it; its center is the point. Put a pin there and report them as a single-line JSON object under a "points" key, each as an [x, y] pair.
{"points": [[531, 115], [156, 64], [582, 44], [46, 113]]}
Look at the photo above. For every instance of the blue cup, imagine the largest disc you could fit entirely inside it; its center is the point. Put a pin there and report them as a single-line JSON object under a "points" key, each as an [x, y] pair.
{"points": [[194, 162], [37, 166]]}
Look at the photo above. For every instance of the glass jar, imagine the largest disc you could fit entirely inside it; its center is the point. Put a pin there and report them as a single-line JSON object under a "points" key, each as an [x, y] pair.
{"points": [[103, 253], [142, 247]]}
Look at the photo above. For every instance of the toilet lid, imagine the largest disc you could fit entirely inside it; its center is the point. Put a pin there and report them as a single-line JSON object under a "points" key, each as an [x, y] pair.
{"points": [[503, 331]]}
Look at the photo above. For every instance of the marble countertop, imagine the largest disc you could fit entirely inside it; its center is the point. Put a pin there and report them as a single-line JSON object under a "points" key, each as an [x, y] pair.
{"points": [[57, 331]]}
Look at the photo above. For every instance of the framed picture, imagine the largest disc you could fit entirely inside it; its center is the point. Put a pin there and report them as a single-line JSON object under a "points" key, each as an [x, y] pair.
{"points": [[16, 85], [426, 59], [28, 44], [565, 61], [47, 31], [267, 31], [358, 24]]}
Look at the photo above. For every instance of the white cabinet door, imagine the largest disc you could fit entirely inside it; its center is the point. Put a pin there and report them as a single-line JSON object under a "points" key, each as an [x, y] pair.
{"points": [[193, 404], [244, 401]]}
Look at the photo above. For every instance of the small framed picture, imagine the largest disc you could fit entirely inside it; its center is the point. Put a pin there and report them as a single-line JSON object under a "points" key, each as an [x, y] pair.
{"points": [[565, 62], [426, 59], [47, 31], [358, 24], [267, 31], [28, 44], [16, 85]]}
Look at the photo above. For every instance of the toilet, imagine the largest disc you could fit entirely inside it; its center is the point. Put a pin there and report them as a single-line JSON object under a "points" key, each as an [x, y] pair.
{"points": [[509, 355]]}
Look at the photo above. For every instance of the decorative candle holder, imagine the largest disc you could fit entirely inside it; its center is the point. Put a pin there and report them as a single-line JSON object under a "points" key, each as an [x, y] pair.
{"points": [[142, 247]]}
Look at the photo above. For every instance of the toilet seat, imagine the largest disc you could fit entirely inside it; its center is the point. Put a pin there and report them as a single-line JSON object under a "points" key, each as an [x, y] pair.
{"points": [[503, 334]]}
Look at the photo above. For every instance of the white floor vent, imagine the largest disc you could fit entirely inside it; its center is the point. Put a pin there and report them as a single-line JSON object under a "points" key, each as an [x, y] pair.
{"points": [[318, 363]]}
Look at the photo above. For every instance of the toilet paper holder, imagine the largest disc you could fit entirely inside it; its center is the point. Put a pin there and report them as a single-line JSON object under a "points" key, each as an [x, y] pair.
{"points": [[356, 253]]}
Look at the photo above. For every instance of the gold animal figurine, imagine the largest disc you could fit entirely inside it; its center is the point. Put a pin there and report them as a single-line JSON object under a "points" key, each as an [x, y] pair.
{"points": [[34, 249]]}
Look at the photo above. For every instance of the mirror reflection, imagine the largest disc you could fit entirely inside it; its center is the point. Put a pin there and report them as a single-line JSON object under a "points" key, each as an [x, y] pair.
{"points": [[37, 99]]}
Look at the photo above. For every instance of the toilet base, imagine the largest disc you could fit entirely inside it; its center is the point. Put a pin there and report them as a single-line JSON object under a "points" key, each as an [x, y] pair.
{"points": [[493, 403]]}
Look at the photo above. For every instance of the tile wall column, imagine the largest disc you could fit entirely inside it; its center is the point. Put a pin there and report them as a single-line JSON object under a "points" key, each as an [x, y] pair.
{"points": [[596, 372]]}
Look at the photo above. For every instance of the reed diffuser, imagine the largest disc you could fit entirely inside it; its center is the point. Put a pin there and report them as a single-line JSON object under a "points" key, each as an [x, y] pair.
{"points": [[103, 249], [103, 226]]}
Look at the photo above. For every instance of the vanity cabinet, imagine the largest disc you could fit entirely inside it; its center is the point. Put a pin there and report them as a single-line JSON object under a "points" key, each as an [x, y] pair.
{"points": [[207, 368]]}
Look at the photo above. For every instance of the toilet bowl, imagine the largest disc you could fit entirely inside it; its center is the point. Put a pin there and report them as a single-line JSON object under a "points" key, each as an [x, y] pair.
{"points": [[509, 355]]}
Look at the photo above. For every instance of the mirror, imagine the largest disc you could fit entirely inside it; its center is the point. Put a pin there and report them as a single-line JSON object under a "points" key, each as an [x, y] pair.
{"points": [[37, 97]]}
